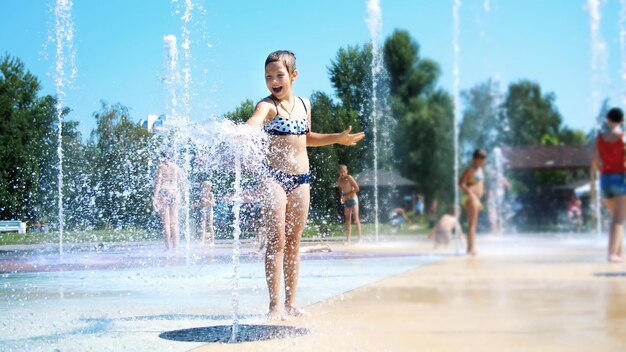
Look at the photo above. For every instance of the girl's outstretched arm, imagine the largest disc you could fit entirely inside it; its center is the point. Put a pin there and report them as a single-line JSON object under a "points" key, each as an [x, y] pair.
{"points": [[314, 139], [261, 111]]}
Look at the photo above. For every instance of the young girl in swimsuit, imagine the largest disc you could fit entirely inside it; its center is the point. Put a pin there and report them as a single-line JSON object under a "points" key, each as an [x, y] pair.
{"points": [[471, 182], [168, 188], [286, 118], [609, 158]]}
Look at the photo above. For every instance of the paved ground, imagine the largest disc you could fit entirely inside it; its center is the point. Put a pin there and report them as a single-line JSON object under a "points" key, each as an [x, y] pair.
{"points": [[519, 294]]}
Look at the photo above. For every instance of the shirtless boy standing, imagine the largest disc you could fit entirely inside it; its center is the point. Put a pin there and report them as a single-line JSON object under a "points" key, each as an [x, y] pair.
{"points": [[349, 189]]}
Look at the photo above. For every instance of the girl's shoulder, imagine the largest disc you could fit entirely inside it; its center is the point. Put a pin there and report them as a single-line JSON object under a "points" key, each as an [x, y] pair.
{"points": [[469, 168], [268, 100], [266, 103], [609, 137], [307, 103]]}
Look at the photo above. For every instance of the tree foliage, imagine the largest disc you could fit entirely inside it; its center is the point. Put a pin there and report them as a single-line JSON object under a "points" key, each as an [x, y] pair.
{"points": [[123, 168], [27, 141], [242, 112], [478, 129], [424, 115], [328, 117], [527, 115]]}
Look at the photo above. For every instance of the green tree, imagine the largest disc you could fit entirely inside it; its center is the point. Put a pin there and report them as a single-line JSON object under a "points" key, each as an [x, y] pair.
{"points": [[242, 112], [77, 175], [351, 76], [415, 132], [527, 115], [424, 115], [123, 167], [328, 117], [323, 161], [478, 129], [569, 136], [27, 138], [410, 75]]}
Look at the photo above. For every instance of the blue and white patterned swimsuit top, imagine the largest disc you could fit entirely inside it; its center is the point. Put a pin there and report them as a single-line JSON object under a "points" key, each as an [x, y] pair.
{"points": [[282, 126]]}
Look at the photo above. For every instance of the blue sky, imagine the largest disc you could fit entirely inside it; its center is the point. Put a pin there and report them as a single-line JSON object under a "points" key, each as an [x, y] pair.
{"points": [[119, 47]]}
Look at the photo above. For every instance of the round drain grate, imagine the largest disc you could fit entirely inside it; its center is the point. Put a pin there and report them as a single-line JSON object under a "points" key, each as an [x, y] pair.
{"points": [[611, 274], [222, 333]]}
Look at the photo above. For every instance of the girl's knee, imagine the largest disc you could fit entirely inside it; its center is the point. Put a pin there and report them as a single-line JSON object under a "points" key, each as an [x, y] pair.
{"points": [[276, 243]]}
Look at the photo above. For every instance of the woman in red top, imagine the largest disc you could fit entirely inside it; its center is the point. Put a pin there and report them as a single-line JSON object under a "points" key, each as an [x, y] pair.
{"points": [[609, 158]]}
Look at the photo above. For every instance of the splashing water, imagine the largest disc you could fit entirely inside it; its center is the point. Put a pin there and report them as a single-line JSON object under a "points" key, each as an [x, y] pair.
{"points": [[374, 24], [216, 137], [245, 145], [456, 49], [178, 123], [186, 110], [598, 73], [599, 57], [236, 247], [64, 37], [504, 211], [171, 76]]}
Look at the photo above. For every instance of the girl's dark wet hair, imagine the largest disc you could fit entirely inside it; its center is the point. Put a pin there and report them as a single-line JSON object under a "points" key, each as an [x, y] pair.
{"points": [[287, 57], [479, 154], [615, 115]]}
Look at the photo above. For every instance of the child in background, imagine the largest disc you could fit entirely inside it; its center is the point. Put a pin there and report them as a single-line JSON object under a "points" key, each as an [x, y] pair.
{"points": [[167, 198], [609, 158], [472, 184], [286, 118], [207, 201], [442, 232], [349, 188]]}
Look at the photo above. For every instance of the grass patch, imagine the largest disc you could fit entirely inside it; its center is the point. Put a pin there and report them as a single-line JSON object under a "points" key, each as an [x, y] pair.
{"points": [[139, 235], [89, 236], [338, 230]]}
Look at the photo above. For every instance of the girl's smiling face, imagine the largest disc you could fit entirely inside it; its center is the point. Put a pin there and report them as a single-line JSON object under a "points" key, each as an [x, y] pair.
{"points": [[278, 79]]}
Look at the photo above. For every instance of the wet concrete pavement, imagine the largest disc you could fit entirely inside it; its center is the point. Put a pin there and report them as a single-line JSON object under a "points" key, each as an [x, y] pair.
{"points": [[519, 294]]}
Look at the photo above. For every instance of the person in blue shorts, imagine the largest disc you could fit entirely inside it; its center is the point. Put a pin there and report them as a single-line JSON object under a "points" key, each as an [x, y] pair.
{"points": [[349, 188], [609, 158]]}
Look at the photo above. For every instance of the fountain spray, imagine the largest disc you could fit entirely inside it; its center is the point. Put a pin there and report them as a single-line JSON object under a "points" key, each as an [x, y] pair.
{"points": [[456, 33], [186, 111], [374, 24], [598, 68], [64, 37]]}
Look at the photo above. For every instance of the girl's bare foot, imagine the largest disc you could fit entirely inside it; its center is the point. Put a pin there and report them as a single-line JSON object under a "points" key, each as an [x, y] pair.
{"points": [[275, 314], [615, 259], [295, 311]]}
